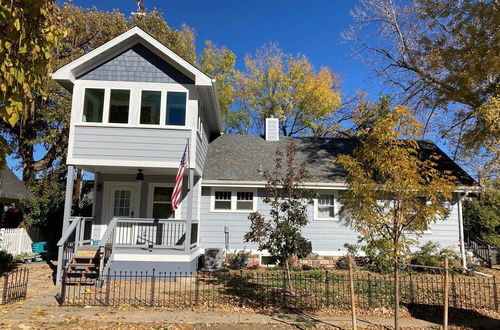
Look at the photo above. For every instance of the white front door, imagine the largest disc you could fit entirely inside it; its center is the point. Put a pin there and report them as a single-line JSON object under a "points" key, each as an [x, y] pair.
{"points": [[121, 200]]}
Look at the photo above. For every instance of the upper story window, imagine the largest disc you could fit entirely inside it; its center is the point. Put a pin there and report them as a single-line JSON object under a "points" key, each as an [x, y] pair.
{"points": [[93, 105], [150, 107], [233, 200], [176, 109], [119, 103], [134, 106]]}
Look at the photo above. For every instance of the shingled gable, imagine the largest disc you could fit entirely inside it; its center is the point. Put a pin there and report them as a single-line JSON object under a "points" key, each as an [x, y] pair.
{"points": [[67, 75], [239, 158]]}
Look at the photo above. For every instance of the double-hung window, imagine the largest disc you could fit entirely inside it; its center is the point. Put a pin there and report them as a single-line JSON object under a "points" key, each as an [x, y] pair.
{"points": [[236, 200], [325, 206], [222, 200], [160, 204]]}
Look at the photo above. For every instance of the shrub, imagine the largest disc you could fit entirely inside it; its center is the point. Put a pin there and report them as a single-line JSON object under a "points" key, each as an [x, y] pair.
{"points": [[238, 260], [431, 255], [378, 258], [6, 260]]}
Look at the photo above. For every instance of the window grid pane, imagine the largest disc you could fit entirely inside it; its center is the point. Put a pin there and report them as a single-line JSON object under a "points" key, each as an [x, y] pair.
{"points": [[326, 205], [93, 105], [176, 108], [150, 107], [119, 106]]}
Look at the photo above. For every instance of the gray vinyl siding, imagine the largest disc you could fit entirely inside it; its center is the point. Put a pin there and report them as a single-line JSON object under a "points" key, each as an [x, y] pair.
{"points": [[128, 143], [325, 235], [201, 148], [125, 178], [137, 64]]}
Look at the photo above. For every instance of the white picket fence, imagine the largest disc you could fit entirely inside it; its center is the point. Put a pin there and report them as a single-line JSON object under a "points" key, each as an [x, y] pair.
{"points": [[17, 240]]}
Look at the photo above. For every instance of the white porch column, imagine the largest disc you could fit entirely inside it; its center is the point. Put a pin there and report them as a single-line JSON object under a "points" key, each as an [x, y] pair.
{"points": [[189, 213], [461, 230], [68, 202]]}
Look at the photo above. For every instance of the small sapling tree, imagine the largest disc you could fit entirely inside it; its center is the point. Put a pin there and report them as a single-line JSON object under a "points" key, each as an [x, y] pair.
{"points": [[280, 232], [394, 193]]}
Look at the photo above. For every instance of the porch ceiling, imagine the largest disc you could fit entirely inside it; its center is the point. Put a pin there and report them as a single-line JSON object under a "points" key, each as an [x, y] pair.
{"points": [[129, 170]]}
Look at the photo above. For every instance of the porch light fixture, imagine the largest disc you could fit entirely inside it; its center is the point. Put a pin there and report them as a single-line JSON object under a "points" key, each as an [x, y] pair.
{"points": [[139, 176]]}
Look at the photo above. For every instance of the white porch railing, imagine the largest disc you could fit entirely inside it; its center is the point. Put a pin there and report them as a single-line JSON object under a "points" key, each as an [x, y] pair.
{"points": [[146, 233]]}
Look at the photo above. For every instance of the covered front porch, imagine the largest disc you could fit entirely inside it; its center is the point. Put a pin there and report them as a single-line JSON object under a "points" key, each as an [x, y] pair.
{"points": [[132, 227]]}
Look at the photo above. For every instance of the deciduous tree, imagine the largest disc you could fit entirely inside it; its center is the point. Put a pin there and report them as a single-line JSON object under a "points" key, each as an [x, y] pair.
{"points": [[393, 192], [287, 87], [280, 232], [30, 32], [442, 58]]}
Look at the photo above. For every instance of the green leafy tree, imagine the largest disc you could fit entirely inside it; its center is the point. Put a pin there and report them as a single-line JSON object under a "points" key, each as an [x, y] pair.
{"points": [[280, 232], [482, 217], [286, 87], [30, 32], [393, 193], [219, 62], [442, 58]]}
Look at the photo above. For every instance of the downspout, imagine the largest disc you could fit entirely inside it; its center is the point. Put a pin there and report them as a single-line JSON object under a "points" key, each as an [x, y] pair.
{"points": [[461, 229]]}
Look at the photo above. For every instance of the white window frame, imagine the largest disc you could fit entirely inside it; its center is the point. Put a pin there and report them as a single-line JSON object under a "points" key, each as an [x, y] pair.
{"points": [[135, 89], [336, 205], [151, 187], [234, 193]]}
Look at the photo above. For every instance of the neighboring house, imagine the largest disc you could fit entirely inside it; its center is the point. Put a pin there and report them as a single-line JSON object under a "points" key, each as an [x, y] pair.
{"points": [[12, 191], [137, 107]]}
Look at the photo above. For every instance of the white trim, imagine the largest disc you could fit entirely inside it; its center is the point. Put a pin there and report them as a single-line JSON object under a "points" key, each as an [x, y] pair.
{"points": [[336, 205], [121, 163], [307, 185], [117, 256], [151, 186], [135, 94], [107, 186], [234, 192], [122, 42]]}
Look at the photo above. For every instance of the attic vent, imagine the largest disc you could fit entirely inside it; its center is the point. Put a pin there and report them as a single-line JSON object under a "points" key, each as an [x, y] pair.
{"points": [[272, 129]]}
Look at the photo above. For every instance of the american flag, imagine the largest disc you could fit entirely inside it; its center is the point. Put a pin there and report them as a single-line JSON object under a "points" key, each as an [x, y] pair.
{"points": [[176, 195]]}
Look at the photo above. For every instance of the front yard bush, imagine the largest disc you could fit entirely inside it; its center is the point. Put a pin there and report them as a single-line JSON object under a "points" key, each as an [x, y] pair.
{"points": [[432, 255]]}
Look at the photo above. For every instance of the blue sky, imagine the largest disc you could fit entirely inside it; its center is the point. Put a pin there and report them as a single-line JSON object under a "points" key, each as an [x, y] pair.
{"points": [[243, 26]]}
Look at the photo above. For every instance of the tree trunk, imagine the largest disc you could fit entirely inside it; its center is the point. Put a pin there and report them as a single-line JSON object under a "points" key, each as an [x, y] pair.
{"points": [[396, 296]]}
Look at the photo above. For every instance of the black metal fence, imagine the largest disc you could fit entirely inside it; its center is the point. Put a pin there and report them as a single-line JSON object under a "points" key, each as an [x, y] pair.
{"points": [[306, 290], [14, 285]]}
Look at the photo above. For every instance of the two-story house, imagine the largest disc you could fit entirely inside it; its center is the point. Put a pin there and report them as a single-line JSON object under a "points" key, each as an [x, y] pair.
{"points": [[137, 108]]}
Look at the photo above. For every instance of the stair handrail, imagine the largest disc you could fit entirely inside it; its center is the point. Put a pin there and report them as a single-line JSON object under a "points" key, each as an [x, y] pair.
{"points": [[480, 243], [69, 231], [108, 233]]}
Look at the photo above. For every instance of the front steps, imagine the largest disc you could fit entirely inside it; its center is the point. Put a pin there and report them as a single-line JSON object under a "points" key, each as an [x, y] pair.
{"points": [[84, 268]]}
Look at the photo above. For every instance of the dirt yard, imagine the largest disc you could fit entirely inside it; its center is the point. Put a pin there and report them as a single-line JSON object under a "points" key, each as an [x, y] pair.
{"points": [[41, 311]]}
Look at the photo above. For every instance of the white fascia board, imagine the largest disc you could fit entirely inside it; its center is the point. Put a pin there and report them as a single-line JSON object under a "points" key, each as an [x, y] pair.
{"points": [[311, 185], [67, 72], [262, 184]]}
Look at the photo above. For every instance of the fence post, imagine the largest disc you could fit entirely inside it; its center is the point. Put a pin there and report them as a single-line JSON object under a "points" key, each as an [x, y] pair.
{"points": [[445, 294], [353, 298], [196, 288], [327, 289], [412, 293], [241, 288], [5, 285], [454, 290], [495, 293], [284, 289], [108, 287], [152, 302]]}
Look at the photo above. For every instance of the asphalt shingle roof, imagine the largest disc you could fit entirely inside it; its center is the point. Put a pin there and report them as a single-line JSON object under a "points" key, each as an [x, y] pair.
{"points": [[239, 157], [11, 188]]}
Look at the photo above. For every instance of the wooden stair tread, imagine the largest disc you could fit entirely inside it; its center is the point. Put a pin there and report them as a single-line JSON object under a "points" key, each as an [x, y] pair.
{"points": [[82, 264]]}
